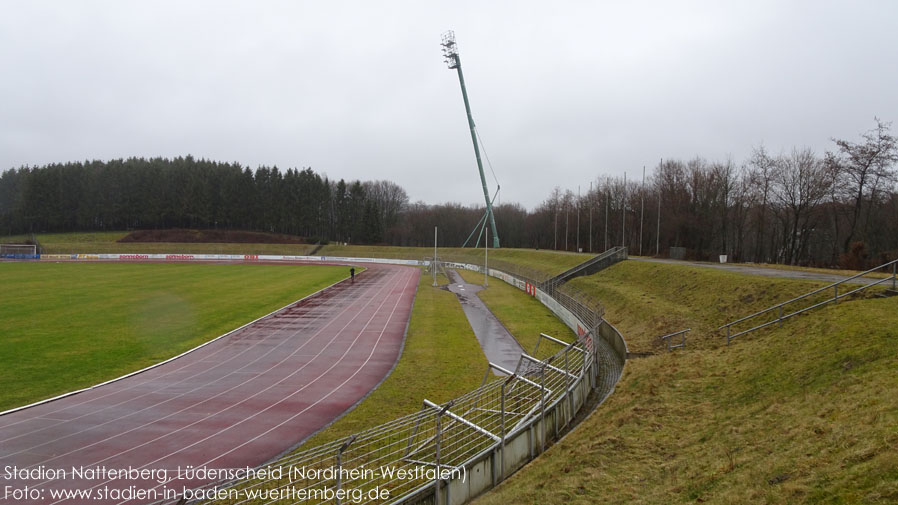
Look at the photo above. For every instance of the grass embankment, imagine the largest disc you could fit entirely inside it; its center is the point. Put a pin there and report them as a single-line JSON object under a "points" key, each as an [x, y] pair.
{"points": [[66, 326], [550, 262], [441, 360], [816, 270], [775, 266], [543, 260], [647, 300], [107, 243], [522, 315], [801, 414]]}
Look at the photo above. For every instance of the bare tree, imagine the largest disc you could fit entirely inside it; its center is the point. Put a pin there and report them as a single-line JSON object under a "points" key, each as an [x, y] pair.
{"points": [[800, 185], [864, 168], [722, 177], [761, 171]]}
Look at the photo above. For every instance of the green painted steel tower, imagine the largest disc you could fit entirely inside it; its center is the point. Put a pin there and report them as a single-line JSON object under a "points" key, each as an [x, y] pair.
{"points": [[450, 54]]}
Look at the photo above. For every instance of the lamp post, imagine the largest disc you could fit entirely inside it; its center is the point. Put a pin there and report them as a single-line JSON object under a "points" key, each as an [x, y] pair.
{"points": [[450, 56]]}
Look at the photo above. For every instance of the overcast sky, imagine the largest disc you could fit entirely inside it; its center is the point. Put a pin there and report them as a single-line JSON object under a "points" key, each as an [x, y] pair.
{"points": [[562, 92]]}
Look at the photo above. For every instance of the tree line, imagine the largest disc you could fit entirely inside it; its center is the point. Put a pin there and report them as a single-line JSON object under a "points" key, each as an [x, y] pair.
{"points": [[185, 192], [795, 207]]}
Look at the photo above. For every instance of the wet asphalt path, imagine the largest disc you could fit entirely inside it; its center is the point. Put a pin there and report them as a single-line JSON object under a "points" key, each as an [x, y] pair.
{"points": [[499, 346], [762, 271]]}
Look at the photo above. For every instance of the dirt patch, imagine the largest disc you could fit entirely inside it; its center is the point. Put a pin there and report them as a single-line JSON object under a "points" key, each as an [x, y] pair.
{"points": [[211, 236]]}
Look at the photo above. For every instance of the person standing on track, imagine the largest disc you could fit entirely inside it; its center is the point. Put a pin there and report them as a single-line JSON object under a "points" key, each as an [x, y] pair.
{"points": [[352, 274]]}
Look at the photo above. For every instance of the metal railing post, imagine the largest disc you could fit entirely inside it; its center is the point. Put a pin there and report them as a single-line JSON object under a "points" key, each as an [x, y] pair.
{"points": [[502, 443], [728, 334], [542, 406], [567, 379], [340, 466], [835, 298], [437, 479]]}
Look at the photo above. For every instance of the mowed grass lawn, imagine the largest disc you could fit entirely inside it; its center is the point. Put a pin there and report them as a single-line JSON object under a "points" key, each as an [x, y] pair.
{"points": [[66, 326], [806, 413]]}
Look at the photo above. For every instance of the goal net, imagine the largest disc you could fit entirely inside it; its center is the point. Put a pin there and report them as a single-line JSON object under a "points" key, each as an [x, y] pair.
{"points": [[18, 251]]}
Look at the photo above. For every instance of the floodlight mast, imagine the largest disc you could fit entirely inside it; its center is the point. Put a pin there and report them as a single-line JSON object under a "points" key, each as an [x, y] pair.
{"points": [[450, 56]]}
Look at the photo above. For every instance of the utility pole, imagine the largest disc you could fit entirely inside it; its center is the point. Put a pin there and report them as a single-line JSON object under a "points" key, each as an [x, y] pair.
{"points": [[433, 266], [623, 220], [641, 209], [567, 220], [450, 56], [578, 218], [606, 213], [590, 216], [658, 233], [486, 257]]}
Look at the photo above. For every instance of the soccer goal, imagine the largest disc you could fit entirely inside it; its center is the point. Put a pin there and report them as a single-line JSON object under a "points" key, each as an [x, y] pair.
{"points": [[19, 251]]}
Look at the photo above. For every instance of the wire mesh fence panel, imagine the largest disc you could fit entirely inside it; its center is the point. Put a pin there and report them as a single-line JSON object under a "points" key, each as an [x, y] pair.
{"points": [[408, 454]]}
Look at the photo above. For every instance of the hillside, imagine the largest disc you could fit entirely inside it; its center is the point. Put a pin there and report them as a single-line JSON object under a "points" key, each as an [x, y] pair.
{"points": [[802, 414], [535, 263]]}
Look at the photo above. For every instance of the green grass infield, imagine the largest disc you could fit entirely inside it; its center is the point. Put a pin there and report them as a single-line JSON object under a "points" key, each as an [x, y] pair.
{"points": [[66, 326]]}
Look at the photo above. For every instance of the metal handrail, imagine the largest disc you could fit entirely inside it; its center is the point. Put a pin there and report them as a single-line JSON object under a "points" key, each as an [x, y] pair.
{"points": [[835, 298], [610, 253], [670, 346]]}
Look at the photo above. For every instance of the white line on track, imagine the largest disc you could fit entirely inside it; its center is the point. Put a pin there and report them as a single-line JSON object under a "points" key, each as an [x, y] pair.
{"points": [[294, 416], [225, 409], [199, 387], [165, 374], [167, 386]]}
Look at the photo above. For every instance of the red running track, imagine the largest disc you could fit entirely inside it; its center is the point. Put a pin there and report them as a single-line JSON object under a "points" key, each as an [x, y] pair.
{"points": [[239, 401]]}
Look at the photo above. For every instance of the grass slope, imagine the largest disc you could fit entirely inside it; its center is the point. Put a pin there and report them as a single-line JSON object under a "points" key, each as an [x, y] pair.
{"points": [[802, 414], [551, 262], [106, 242], [441, 360], [645, 300], [66, 326]]}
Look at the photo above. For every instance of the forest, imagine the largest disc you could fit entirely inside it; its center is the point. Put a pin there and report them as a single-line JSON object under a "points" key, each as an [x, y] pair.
{"points": [[797, 207]]}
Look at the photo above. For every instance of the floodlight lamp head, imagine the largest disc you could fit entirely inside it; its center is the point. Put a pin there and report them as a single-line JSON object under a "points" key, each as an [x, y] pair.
{"points": [[450, 49]]}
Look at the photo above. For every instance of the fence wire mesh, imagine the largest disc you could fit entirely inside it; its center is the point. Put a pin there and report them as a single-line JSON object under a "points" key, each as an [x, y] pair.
{"points": [[582, 304], [409, 453]]}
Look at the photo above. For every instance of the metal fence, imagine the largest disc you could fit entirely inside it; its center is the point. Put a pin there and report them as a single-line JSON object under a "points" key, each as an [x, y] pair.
{"points": [[441, 452], [582, 304], [420, 450], [596, 264], [811, 300]]}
